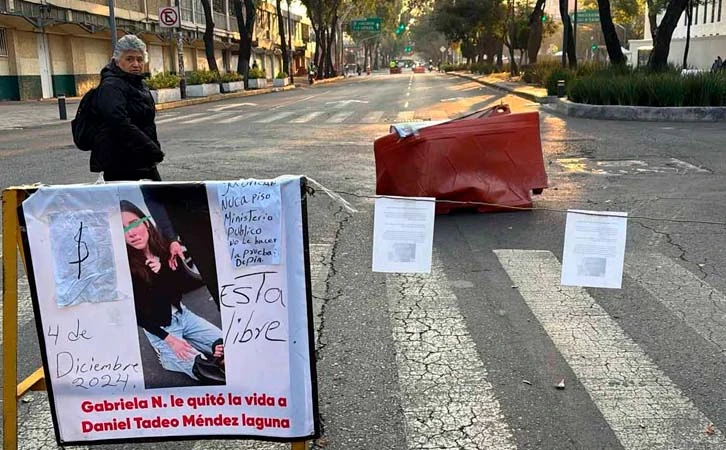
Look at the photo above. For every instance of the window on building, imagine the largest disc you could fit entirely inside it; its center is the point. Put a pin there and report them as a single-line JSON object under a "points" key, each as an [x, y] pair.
{"points": [[694, 15], [3, 43], [713, 10], [719, 10], [186, 10], [705, 11]]}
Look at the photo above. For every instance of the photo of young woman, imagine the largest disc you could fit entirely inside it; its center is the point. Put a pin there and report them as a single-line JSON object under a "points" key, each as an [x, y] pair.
{"points": [[184, 341]]}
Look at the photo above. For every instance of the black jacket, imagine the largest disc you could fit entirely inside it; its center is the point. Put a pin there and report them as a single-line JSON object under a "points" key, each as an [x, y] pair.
{"points": [[153, 301], [126, 137]]}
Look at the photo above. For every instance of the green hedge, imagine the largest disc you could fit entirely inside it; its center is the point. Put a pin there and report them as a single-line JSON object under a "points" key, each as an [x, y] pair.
{"points": [[257, 73], [163, 80], [202, 77], [649, 89], [229, 77]]}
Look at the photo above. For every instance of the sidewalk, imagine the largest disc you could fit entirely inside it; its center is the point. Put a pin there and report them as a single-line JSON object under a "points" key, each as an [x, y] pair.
{"points": [[536, 94], [42, 113]]}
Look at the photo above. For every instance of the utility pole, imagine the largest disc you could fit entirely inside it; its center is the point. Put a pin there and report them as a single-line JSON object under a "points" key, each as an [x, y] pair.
{"points": [[290, 57], [180, 56], [112, 23]]}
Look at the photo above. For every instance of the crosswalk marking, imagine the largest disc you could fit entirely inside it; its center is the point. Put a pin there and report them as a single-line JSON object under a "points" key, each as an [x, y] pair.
{"points": [[179, 118], [307, 117], [279, 116], [340, 117], [239, 117], [690, 298], [213, 117], [644, 408], [446, 398], [372, 117]]}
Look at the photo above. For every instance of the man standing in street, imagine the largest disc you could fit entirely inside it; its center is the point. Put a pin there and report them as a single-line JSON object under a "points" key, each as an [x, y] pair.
{"points": [[125, 146]]}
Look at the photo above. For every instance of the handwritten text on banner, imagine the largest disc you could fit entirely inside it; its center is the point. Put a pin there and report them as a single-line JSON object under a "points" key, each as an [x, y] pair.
{"points": [[251, 212]]}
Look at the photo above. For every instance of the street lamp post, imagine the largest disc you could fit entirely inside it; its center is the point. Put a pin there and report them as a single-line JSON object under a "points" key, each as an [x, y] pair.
{"points": [[112, 23], [290, 57]]}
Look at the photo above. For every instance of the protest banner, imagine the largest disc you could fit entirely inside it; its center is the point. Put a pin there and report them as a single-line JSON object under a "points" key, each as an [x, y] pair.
{"points": [[174, 310]]}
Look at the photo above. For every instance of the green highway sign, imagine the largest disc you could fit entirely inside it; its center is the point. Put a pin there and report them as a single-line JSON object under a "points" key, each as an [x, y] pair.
{"points": [[368, 24], [586, 16]]}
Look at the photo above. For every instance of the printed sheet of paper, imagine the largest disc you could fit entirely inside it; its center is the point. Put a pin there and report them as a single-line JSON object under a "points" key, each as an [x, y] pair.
{"points": [[594, 249], [403, 233], [251, 211]]}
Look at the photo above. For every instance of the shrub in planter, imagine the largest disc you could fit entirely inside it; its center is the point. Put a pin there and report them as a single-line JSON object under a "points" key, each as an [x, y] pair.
{"points": [[232, 81], [164, 87], [281, 79], [257, 79], [257, 73], [163, 80], [229, 77], [202, 77], [201, 83]]}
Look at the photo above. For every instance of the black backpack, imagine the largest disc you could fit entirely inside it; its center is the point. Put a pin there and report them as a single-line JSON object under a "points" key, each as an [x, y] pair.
{"points": [[85, 123]]}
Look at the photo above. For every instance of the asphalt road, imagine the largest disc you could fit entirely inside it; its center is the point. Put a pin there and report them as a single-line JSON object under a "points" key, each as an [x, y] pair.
{"points": [[469, 356]]}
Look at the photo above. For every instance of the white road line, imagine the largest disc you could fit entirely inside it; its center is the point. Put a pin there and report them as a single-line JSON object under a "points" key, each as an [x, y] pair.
{"points": [[702, 307], [274, 117], [210, 116], [644, 408], [447, 400], [239, 117], [179, 118], [405, 116], [340, 117], [307, 117], [230, 106], [372, 117]]}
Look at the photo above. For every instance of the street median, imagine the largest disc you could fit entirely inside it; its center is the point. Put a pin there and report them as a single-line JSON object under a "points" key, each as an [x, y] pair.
{"points": [[602, 112]]}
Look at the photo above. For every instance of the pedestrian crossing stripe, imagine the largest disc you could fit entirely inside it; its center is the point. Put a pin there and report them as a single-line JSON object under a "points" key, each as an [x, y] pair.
{"points": [[296, 117], [643, 407]]}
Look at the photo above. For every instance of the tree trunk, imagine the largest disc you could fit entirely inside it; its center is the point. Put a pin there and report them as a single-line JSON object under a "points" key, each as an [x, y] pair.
{"points": [[612, 42], [283, 41], [534, 40], [568, 50], [246, 24], [652, 19], [209, 36], [689, 18], [662, 43], [375, 53]]}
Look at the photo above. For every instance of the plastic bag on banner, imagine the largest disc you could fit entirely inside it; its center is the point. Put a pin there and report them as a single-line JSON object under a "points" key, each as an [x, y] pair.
{"points": [[491, 156]]}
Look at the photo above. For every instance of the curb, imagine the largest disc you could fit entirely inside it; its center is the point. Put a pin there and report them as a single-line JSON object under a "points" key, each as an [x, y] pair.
{"points": [[218, 97], [640, 113], [519, 93]]}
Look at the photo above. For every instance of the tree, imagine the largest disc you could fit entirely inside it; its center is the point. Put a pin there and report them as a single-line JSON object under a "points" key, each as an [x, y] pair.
{"points": [[283, 41], [612, 42], [568, 52], [245, 14], [209, 36], [534, 37], [324, 19], [662, 42]]}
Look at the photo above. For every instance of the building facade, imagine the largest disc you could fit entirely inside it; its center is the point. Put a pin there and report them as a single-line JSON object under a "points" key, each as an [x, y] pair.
{"points": [[708, 37], [53, 47]]}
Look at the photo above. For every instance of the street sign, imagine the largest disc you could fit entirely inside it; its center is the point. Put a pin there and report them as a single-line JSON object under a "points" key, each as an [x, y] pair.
{"points": [[587, 16], [368, 24], [442, 49], [169, 17]]}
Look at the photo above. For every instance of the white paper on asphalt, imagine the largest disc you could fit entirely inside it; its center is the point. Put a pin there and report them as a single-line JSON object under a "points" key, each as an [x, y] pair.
{"points": [[594, 249], [403, 232]]}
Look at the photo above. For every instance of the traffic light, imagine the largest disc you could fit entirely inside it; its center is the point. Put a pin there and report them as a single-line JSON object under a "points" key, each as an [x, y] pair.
{"points": [[401, 28], [407, 49], [593, 47], [544, 18]]}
